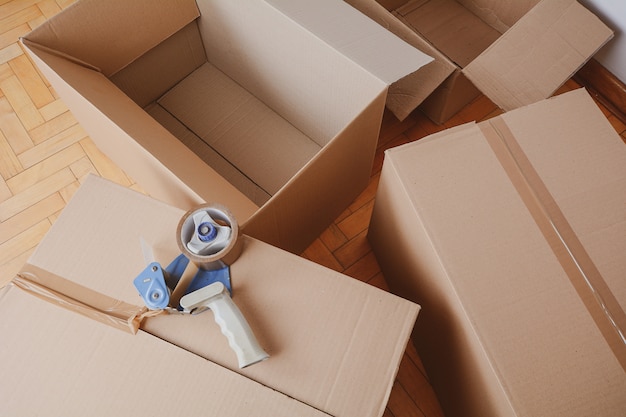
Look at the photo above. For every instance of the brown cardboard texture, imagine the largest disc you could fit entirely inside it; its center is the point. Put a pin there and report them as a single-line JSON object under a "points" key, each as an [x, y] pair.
{"points": [[56, 362], [335, 343], [272, 108], [510, 234], [515, 52]]}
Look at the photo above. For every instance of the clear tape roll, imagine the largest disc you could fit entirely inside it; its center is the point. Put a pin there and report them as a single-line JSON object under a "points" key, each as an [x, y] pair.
{"points": [[200, 238]]}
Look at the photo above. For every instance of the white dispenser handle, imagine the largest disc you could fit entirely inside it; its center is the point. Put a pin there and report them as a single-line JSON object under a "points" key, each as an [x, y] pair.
{"points": [[232, 323]]}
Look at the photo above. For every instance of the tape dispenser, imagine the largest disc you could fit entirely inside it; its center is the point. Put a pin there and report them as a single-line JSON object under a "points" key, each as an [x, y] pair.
{"points": [[208, 237]]}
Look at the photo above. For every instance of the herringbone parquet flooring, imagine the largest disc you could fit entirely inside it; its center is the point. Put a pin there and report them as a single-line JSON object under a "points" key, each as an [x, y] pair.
{"points": [[44, 155]]}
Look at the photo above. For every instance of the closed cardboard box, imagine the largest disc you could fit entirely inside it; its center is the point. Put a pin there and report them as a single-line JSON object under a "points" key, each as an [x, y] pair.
{"points": [[515, 52], [271, 107], [511, 233], [335, 343]]}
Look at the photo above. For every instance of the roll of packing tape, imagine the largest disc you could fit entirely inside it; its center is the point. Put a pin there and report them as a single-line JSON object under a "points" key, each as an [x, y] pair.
{"points": [[209, 236]]}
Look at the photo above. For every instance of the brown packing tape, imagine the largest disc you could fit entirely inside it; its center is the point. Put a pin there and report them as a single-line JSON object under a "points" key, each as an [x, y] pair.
{"points": [[226, 256], [74, 297], [591, 287]]}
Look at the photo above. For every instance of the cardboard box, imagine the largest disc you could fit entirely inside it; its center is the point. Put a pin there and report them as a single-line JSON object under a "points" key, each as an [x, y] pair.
{"points": [[335, 343], [511, 233], [515, 52], [272, 107]]}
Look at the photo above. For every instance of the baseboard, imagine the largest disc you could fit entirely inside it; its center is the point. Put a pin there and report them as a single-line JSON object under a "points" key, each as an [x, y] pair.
{"points": [[609, 90]]}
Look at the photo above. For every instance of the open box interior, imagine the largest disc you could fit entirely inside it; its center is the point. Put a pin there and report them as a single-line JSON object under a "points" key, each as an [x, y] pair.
{"points": [[257, 140]]}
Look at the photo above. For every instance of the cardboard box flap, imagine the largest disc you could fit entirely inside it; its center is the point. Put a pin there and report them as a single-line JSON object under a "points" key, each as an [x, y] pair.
{"points": [[83, 30], [90, 366], [407, 93], [356, 36], [516, 290], [320, 328], [538, 54]]}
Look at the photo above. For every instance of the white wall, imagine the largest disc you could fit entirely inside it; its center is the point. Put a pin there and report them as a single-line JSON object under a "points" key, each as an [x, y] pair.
{"points": [[613, 14]]}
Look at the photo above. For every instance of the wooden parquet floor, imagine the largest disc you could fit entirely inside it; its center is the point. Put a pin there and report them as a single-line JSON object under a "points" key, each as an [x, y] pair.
{"points": [[45, 154]]}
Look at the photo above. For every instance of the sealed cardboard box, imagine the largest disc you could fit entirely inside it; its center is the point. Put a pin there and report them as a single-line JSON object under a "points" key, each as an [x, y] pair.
{"points": [[511, 233], [515, 52], [335, 343], [272, 107]]}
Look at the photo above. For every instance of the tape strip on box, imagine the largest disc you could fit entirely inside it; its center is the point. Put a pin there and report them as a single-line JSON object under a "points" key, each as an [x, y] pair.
{"points": [[591, 287], [69, 295]]}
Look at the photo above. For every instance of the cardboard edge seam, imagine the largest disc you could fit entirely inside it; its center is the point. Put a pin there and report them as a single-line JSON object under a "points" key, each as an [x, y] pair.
{"points": [[34, 46]]}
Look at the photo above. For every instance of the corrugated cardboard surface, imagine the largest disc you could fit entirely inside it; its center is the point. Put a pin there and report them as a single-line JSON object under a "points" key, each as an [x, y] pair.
{"points": [[515, 52], [209, 155], [513, 71], [509, 325], [261, 144], [147, 78], [315, 78], [55, 362], [334, 342], [353, 36]]}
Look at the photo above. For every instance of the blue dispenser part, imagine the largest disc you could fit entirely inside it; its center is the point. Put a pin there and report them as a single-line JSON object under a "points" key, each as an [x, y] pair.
{"points": [[205, 278], [150, 284], [207, 231]]}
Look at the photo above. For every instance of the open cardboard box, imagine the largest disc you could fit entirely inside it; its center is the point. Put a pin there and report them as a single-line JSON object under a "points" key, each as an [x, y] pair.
{"points": [[516, 52], [335, 343], [270, 107], [511, 234]]}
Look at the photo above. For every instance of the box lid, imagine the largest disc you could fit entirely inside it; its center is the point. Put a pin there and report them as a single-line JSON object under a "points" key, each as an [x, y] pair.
{"points": [[321, 328], [525, 215], [538, 54]]}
